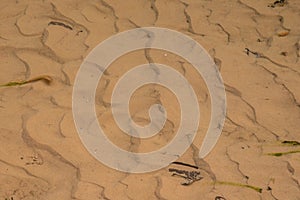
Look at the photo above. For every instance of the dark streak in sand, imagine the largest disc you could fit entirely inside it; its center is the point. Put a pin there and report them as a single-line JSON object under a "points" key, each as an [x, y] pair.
{"points": [[60, 24]]}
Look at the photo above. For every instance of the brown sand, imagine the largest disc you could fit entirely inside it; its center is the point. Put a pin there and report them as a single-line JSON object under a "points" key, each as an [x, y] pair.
{"points": [[41, 155]]}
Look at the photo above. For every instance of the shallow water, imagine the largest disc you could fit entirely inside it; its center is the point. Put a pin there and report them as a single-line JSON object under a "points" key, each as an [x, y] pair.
{"points": [[256, 48]]}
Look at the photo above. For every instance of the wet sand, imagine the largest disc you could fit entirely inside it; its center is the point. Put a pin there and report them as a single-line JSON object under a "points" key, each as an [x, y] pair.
{"points": [[256, 47]]}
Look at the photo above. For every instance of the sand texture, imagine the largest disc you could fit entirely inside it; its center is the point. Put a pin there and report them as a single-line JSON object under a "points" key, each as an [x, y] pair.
{"points": [[256, 46]]}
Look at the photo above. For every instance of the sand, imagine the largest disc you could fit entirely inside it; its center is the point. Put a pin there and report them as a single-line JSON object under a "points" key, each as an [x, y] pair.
{"points": [[41, 154]]}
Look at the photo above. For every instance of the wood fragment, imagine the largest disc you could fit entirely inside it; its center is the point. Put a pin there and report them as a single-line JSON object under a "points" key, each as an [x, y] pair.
{"points": [[189, 176]]}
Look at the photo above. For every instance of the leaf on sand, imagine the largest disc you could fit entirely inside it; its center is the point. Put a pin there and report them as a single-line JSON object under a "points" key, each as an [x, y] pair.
{"points": [[291, 142], [257, 189], [277, 154]]}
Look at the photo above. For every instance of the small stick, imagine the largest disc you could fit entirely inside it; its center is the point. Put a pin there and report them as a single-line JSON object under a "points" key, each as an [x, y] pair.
{"points": [[185, 164]]}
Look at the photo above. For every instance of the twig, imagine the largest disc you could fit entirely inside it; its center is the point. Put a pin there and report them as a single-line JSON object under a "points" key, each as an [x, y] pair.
{"points": [[185, 164], [189, 176]]}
